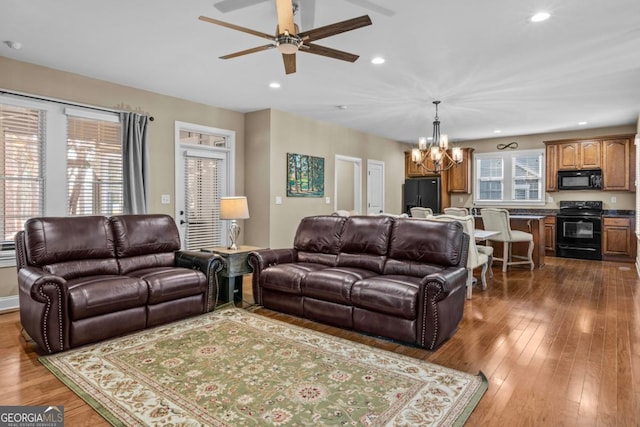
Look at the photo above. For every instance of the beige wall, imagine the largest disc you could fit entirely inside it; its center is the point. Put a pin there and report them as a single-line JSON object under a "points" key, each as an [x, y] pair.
{"points": [[289, 133], [345, 176], [624, 200], [46, 82]]}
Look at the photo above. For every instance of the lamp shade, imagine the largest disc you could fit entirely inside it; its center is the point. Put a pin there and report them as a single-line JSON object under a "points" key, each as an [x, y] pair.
{"points": [[234, 208]]}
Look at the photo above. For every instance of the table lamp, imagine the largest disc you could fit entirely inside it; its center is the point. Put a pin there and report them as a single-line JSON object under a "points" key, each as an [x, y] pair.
{"points": [[234, 208]]}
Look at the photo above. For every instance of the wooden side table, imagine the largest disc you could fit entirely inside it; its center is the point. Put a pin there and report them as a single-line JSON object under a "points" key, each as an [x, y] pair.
{"points": [[230, 277]]}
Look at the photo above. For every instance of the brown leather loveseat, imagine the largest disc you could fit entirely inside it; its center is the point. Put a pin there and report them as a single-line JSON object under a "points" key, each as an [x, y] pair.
{"points": [[87, 278], [399, 278]]}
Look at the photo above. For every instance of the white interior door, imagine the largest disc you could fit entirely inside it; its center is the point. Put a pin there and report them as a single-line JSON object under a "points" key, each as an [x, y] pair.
{"points": [[203, 175], [375, 186]]}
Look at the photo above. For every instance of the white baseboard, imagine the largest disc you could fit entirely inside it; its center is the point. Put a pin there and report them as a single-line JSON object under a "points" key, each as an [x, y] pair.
{"points": [[9, 303]]}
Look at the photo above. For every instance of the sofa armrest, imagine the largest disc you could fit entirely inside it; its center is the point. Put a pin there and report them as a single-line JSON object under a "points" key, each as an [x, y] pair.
{"points": [[43, 308], [448, 279], [207, 263], [264, 258]]}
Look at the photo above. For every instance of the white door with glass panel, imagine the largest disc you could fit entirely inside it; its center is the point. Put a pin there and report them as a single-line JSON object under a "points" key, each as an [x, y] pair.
{"points": [[203, 159]]}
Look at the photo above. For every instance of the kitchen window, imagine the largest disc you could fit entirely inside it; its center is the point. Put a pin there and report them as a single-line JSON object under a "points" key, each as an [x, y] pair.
{"points": [[55, 161], [508, 178]]}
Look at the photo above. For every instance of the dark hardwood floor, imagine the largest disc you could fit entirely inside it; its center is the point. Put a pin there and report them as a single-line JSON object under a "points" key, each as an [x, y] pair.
{"points": [[560, 346]]}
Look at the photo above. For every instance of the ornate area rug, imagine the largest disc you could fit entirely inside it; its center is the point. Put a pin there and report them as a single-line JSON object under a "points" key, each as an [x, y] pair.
{"points": [[235, 368]]}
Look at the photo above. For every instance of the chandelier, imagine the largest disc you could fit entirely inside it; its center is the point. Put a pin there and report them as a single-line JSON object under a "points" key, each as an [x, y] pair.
{"points": [[436, 150]]}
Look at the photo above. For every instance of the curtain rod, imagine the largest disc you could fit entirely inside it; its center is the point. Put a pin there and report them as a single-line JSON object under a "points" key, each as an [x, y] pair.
{"points": [[72, 104]]}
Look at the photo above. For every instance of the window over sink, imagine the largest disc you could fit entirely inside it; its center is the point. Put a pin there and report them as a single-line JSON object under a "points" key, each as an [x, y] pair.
{"points": [[507, 178]]}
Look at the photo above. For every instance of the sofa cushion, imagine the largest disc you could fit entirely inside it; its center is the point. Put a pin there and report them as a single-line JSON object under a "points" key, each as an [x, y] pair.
{"points": [[333, 284], [171, 283], [86, 240], [366, 235], [396, 295], [95, 295], [144, 234], [287, 277], [428, 242], [133, 263], [319, 234]]}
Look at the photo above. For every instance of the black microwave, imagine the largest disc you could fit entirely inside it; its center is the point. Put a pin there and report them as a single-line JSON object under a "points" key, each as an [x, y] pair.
{"points": [[580, 180]]}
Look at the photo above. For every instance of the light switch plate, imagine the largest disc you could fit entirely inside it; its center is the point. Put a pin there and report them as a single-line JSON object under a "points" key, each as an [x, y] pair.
{"points": [[278, 200]]}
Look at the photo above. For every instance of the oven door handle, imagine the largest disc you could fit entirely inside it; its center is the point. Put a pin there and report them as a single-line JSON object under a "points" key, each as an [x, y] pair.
{"points": [[573, 248]]}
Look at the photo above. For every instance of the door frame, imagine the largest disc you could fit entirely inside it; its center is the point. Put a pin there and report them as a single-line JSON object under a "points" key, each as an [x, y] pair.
{"points": [[229, 153], [357, 181]]}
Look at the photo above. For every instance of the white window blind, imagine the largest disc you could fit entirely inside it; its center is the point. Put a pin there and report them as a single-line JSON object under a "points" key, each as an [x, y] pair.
{"points": [[21, 157], [94, 166], [203, 178]]}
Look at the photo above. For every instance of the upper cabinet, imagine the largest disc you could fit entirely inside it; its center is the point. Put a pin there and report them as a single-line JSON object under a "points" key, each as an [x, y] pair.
{"points": [[613, 154], [460, 175], [413, 171], [579, 155]]}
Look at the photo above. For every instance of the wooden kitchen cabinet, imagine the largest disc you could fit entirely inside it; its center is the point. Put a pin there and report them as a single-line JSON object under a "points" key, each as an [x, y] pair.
{"points": [[615, 155], [550, 235], [460, 175], [551, 171], [616, 167], [579, 155], [413, 171], [618, 239]]}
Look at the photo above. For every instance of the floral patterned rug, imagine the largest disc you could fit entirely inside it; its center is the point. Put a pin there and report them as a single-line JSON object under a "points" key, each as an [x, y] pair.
{"points": [[236, 368]]}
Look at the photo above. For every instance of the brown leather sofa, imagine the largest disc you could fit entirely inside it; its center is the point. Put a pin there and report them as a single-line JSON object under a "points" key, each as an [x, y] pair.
{"points": [[399, 278], [87, 278]]}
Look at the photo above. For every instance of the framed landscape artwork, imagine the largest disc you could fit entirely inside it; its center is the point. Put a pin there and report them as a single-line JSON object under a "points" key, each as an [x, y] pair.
{"points": [[305, 176]]}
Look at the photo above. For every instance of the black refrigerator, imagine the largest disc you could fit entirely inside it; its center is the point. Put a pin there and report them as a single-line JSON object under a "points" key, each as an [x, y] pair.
{"points": [[423, 192]]}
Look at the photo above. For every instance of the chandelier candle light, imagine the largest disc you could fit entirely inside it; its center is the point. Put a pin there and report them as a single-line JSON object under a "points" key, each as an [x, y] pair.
{"points": [[234, 208], [437, 150]]}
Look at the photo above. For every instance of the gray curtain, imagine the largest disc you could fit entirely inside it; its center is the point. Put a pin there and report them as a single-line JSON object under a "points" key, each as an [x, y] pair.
{"points": [[135, 162]]}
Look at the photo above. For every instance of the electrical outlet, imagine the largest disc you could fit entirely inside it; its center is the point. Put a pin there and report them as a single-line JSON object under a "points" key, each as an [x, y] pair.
{"points": [[613, 199], [460, 199], [327, 200], [165, 199]]}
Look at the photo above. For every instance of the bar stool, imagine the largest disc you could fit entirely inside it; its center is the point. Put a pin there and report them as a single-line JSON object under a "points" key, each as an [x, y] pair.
{"points": [[496, 219], [420, 212], [456, 211]]}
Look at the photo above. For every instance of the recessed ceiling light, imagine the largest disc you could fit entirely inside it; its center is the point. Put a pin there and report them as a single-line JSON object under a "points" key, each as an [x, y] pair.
{"points": [[540, 16], [341, 107], [497, 131], [582, 123], [274, 85], [377, 60]]}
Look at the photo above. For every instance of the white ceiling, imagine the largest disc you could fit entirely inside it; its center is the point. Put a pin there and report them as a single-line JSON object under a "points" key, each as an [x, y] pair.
{"points": [[490, 67]]}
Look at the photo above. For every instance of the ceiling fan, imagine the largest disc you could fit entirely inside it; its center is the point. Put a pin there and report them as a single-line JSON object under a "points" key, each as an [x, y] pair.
{"points": [[289, 40]]}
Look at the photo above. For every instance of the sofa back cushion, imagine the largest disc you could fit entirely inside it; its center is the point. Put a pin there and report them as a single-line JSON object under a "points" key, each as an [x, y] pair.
{"points": [[364, 242], [318, 239], [145, 241], [424, 244], [70, 246]]}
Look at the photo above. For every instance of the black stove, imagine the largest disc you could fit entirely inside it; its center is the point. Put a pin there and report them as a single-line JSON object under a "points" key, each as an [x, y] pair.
{"points": [[579, 230]]}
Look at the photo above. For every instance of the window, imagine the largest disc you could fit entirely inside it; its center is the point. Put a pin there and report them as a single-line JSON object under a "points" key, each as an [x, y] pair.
{"points": [[509, 178], [55, 162]]}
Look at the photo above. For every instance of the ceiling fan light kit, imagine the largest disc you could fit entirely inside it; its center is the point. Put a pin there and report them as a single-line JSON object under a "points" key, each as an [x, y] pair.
{"points": [[289, 41]]}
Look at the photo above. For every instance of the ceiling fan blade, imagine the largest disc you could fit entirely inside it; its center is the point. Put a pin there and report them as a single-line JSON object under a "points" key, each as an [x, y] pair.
{"points": [[248, 51], [333, 29], [236, 27], [307, 13], [289, 63], [285, 17], [373, 7], [329, 52], [225, 6]]}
